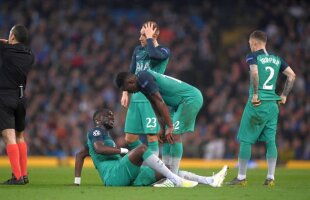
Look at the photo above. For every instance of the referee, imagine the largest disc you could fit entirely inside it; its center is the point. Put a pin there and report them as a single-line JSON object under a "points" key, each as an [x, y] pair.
{"points": [[16, 60]]}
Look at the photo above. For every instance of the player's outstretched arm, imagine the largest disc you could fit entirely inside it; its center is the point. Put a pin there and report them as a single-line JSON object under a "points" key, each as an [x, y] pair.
{"points": [[79, 162], [291, 76]]}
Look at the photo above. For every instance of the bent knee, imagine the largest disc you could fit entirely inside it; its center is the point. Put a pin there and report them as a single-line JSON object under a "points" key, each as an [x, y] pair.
{"points": [[131, 138], [152, 138], [142, 148]]}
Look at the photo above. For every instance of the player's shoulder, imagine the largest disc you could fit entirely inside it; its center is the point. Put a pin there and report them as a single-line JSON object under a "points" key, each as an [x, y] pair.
{"points": [[143, 73], [97, 131], [252, 57], [145, 76], [138, 48]]}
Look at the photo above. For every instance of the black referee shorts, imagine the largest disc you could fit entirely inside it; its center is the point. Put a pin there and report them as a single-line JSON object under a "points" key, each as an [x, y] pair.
{"points": [[12, 111]]}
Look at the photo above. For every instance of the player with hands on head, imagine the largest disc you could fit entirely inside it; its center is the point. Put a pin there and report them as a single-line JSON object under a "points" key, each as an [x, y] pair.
{"points": [[140, 117]]}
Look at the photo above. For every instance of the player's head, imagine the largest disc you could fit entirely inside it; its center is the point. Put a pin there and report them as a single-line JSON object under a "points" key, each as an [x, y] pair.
{"points": [[104, 117], [127, 81], [142, 32], [18, 34], [257, 40]]}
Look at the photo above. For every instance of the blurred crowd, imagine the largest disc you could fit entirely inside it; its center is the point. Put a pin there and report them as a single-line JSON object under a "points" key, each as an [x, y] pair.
{"points": [[80, 45]]}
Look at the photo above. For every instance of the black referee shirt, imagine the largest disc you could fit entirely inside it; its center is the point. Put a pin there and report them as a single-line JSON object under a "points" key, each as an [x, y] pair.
{"points": [[15, 63]]}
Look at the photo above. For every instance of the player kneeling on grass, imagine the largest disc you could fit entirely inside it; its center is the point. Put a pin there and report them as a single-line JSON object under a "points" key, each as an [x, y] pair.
{"points": [[115, 170]]}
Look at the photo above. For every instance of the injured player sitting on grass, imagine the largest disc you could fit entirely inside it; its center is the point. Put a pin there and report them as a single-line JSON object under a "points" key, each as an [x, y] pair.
{"points": [[127, 170]]}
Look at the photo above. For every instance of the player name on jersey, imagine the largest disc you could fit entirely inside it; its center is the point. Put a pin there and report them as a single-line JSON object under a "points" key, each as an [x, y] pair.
{"points": [[273, 60]]}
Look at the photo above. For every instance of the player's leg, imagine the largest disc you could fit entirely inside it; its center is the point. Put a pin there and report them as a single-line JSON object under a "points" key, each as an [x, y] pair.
{"points": [[166, 146], [13, 154], [166, 154], [141, 120], [118, 172], [176, 152], [269, 135], [215, 181], [150, 126], [147, 176], [142, 154], [132, 140], [133, 126], [7, 125], [243, 159], [20, 115], [22, 147], [247, 135], [152, 143], [184, 119]]}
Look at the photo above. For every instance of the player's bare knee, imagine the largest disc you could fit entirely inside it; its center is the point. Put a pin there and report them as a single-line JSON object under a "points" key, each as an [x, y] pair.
{"points": [[142, 148], [152, 138], [130, 138], [177, 138]]}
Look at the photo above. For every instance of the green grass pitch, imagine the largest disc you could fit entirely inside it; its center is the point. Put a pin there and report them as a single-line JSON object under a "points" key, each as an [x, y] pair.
{"points": [[56, 183]]}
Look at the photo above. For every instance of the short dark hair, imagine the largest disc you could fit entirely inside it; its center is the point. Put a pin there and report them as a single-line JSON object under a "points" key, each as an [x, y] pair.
{"points": [[97, 113], [21, 33], [121, 78], [259, 35]]}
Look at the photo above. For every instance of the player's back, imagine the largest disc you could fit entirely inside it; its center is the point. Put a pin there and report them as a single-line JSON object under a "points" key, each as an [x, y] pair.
{"points": [[269, 66], [99, 134], [174, 91]]}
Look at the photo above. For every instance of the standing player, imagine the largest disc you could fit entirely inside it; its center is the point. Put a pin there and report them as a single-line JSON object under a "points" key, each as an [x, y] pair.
{"points": [[140, 117], [260, 116], [16, 61], [185, 102], [117, 171]]}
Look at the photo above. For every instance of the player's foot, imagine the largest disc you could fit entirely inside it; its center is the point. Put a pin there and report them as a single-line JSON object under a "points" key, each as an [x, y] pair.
{"points": [[165, 183], [184, 183], [26, 179], [14, 181], [159, 181], [236, 181], [187, 183], [269, 182], [219, 177]]}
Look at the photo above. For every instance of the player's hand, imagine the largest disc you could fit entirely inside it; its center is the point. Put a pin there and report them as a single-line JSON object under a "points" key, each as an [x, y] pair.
{"points": [[149, 30], [161, 135], [4, 41], [124, 99], [255, 100], [168, 135], [283, 100]]}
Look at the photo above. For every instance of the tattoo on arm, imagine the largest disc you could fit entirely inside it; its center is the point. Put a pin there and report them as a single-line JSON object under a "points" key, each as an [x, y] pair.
{"points": [[288, 86], [254, 78]]}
